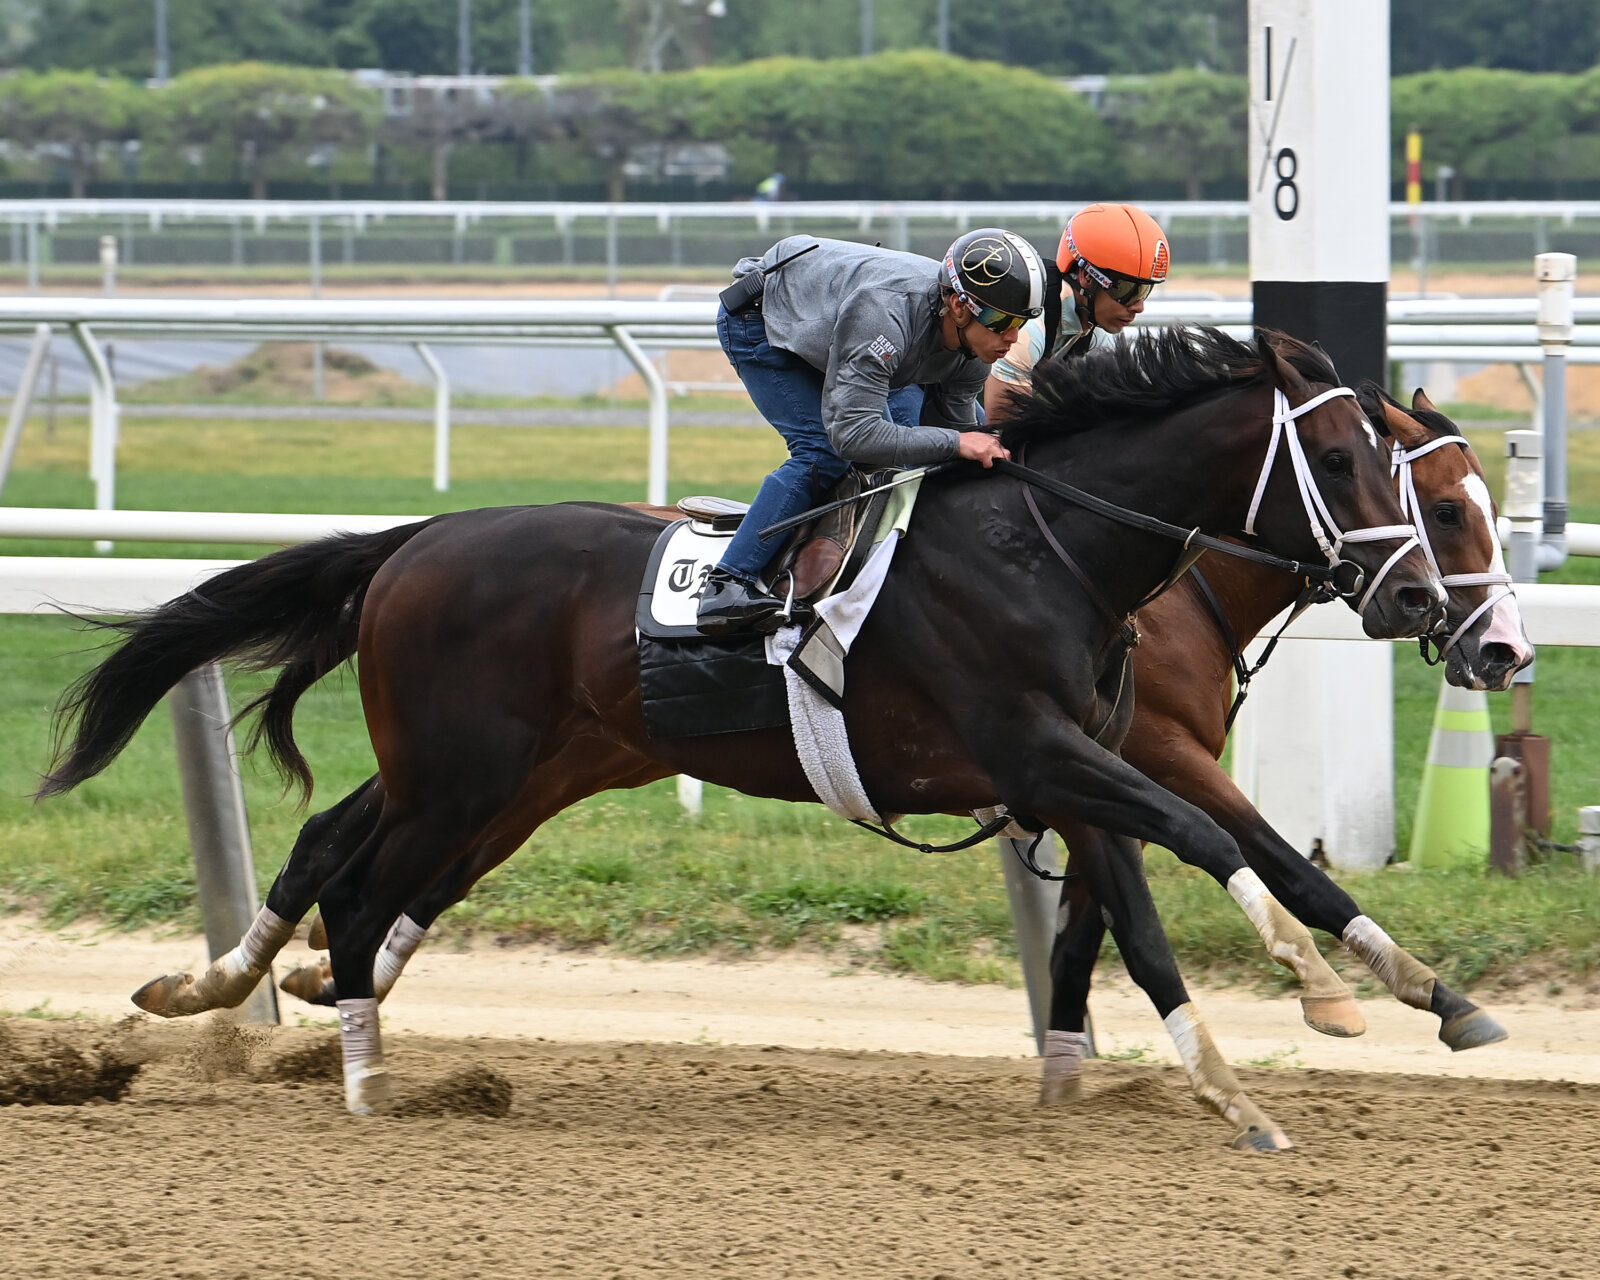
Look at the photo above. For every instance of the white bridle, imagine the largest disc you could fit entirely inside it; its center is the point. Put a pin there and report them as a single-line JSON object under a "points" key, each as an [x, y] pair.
{"points": [[1400, 465], [1323, 524]]}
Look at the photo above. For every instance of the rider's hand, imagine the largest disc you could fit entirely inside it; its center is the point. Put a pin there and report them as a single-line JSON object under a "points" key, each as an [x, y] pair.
{"points": [[980, 446]]}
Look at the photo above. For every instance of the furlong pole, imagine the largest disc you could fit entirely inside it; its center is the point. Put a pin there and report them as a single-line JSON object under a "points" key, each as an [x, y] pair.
{"points": [[1314, 748]]}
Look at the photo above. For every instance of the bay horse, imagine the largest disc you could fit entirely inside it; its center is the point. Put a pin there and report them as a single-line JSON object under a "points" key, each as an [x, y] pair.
{"points": [[499, 679], [1194, 637]]}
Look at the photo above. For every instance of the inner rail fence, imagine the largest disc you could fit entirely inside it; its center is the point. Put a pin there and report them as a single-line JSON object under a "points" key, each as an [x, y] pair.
{"points": [[59, 239], [1552, 330]]}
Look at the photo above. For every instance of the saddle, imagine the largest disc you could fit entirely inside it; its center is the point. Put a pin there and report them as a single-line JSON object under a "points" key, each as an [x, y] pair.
{"points": [[821, 556], [693, 685]]}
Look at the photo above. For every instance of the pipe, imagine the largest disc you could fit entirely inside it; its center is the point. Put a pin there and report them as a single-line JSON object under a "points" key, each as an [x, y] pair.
{"points": [[441, 418], [656, 492], [23, 400], [103, 415]]}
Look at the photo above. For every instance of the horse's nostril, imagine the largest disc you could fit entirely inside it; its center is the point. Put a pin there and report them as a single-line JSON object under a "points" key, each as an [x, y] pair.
{"points": [[1418, 601], [1495, 657]]}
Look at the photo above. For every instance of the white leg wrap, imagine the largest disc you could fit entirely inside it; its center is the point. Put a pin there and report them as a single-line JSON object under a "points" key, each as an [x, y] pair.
{"points": [[1400, 971], [1288, 941], [1213, 1083], [267, 935], [366, 1081], [398, 947], [1064, 1052]]}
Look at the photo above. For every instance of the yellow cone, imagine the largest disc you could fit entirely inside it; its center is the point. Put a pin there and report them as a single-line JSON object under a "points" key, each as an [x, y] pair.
{"points": [[1452, 824]]}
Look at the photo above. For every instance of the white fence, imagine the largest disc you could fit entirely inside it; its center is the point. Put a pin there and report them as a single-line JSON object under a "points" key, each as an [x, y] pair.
{"points": [[1474, 331], [311, 235]]}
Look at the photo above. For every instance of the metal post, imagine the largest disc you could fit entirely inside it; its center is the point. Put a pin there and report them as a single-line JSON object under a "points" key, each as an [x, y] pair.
{"points": [[163, 64], [611, 252], [691, 794], [33, 252], [656, 493], [108, 264], [944, 26], [441, 417], [314, 252], [464, 38], [1033, 915], [524, 39], [103, 415], [219, 828], [23, 400], [866, 28], [1557, 274]]}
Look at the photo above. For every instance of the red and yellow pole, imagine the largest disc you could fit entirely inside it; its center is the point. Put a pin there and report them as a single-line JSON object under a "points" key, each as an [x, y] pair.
{"points": [[1413, 167]]}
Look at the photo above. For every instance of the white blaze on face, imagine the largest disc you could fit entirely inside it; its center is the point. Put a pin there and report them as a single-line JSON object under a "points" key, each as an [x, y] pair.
{"points": [[1371, 434], [1505, 619]]}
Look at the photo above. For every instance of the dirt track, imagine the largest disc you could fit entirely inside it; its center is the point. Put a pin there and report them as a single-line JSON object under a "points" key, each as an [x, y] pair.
{"points": [[223, 1161], [230, 1154]]}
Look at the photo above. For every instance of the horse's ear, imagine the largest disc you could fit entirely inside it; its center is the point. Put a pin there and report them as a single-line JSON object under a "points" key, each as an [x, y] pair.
{"points": [[1419, 400], [1403, 427], [1280, 371]]}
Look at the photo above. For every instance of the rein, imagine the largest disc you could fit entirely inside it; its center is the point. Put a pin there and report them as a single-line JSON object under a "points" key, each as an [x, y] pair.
{"points": [[1310, 594]]}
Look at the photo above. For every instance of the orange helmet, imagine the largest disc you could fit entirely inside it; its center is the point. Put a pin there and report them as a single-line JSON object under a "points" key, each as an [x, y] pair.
{"points": [[1121, 247]]}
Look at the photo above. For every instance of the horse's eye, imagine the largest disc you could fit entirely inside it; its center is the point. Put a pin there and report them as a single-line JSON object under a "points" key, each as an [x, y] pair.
{"points": [[1447, 514], [1336, 464]]}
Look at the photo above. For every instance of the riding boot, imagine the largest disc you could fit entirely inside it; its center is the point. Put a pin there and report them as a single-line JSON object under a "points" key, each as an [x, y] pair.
{"points": [[731, 605]]}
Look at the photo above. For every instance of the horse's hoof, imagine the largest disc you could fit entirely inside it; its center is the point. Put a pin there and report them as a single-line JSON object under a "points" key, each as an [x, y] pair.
{"points": [[159, 995], [1471, 1031], [1333, 1015], [312, 983], [1061, 1091], [1258, 1138], [317, 934]]}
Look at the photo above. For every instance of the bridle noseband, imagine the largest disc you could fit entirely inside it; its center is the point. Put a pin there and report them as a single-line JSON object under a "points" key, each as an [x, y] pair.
{"points": [[1346, 576], [1400, 465]]}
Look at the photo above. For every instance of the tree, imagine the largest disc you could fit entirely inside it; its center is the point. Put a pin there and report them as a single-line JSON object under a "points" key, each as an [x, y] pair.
{"points": [[1188, 125], [74, 111], [118, 36], [613, 115], [1546, 35], [1485, 124], [261, 112], [439, 120]]}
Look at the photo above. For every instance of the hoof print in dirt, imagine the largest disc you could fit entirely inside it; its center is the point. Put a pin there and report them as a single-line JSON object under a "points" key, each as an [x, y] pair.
{"points": [[477, 1091]]}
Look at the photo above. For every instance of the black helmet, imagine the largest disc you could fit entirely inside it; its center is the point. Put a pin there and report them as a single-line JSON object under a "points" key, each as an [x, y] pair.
{"points": [[998, 271]]}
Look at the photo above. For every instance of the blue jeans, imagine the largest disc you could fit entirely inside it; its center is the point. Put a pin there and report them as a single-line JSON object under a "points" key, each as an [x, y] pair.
{"points": [[788, 392]]}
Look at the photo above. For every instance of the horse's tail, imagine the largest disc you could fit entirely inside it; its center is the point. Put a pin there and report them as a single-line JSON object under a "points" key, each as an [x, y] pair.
{"points": [[298, 609]]}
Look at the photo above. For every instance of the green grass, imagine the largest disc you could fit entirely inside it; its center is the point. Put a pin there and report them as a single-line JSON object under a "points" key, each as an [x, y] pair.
{"points": [[630, 869]]}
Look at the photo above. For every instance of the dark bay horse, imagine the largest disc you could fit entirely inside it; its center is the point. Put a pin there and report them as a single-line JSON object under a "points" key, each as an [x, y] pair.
{"points": [[1183, 673], [499, 677]]}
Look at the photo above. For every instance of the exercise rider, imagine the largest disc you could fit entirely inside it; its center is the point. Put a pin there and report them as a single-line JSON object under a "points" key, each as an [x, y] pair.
{"points": [[1111, 257], [824, 337]]}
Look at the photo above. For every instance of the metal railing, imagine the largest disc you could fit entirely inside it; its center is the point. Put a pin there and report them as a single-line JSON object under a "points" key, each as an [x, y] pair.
{"points": [[504, 237]]}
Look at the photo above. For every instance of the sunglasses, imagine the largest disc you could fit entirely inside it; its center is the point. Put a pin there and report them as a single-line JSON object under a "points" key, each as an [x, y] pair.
{"points": [[1122, 290], [992, 318]]}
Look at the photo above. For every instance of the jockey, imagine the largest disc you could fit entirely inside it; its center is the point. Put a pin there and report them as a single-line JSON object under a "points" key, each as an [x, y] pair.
{"points": [[1111, 257], [832, 340]]}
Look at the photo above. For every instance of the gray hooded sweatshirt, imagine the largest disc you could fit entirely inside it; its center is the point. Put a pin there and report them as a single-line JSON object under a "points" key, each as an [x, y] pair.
{"points": [[868, 319]]}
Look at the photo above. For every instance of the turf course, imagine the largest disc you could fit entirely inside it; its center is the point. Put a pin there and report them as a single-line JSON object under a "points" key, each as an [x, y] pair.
{"points": [[630, 869]]}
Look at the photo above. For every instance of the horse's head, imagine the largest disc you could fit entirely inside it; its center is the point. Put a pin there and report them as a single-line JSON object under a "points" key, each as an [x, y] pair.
{"points": [[1442, 489], [1325, 493]]}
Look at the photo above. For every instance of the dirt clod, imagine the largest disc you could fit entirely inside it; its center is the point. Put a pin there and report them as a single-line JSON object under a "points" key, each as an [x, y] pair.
{"points": [[474, 1091]]}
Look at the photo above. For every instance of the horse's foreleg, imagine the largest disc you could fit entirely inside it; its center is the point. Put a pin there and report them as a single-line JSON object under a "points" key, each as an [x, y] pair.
{"points": [[1112, 868], [1315, 899], [324, 843]]}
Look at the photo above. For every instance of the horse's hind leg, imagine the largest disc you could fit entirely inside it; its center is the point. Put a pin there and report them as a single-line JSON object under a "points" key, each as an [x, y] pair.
{"points": [[325, 842], [1079, 931], [562, 783]]}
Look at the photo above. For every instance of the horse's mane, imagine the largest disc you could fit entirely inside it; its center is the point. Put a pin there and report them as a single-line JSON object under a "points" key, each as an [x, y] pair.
{"points": [[1153, 372], [1372, 398]]}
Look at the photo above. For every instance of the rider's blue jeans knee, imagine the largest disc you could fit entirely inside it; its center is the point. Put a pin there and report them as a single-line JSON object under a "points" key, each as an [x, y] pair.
{"points": [[788, 393]]}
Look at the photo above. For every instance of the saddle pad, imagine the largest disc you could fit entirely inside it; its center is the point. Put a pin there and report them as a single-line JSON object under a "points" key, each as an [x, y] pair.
{"points": [[692, 688], [675, 577]]}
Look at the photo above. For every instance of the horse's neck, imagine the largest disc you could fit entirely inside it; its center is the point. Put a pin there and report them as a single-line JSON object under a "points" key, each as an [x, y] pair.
{"points": [[1250, 595]]}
